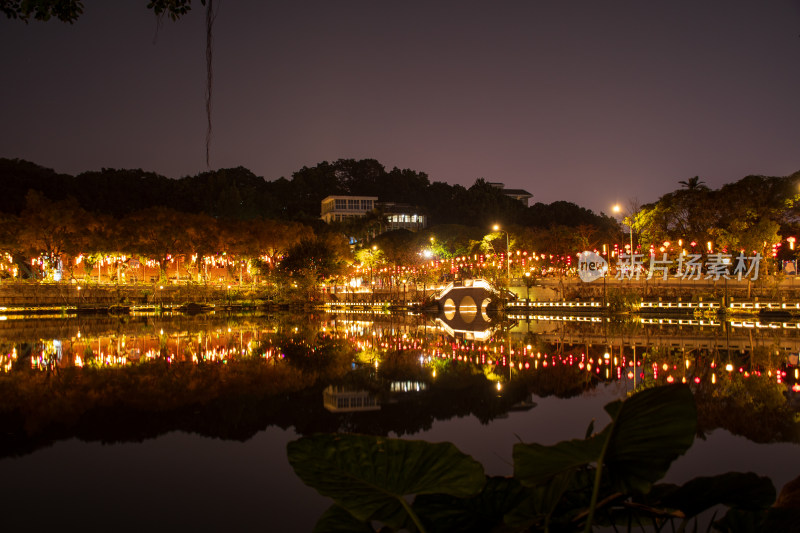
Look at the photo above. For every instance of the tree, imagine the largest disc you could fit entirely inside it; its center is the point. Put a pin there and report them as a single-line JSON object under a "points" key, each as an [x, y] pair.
{"points": [[52, 229], [159, 233], [451, 240], [10, 244], [202, 240], [363, 229], [407, 186], [313, 260], [227, 193], [399, 247], [694, 184], [70, 10]]}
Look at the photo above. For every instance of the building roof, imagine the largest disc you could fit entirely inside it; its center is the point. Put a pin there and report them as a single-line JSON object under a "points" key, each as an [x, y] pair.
{"points": [[347, 196], [394, 208], [517, 192]]}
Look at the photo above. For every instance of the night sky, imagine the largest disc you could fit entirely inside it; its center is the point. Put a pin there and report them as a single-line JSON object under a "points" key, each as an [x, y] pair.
{"points": [[587, 101]]}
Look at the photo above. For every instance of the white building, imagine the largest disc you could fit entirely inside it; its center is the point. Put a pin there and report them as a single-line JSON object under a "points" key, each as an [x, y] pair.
{"points": [[341, 208], [397, 216]]}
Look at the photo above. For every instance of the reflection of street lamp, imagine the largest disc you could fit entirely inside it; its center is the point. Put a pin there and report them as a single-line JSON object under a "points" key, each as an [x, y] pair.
{"points": [[529, 282], [726, 261], [496, 227], [617, 210]]}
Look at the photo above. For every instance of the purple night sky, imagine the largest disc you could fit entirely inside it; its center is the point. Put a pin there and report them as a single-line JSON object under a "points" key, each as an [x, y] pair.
{"points": [[590, 102]]}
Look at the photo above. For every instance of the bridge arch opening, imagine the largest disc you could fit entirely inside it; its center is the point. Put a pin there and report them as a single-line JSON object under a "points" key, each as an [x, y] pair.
{"points": [[485, 309], [468, 309], [449, 309]]}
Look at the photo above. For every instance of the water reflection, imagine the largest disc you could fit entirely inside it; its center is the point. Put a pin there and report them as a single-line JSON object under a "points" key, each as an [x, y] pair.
{"points": [[139, 376], [343, 399]]}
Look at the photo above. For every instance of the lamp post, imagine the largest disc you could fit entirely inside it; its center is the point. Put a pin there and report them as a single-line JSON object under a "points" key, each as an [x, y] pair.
{"points": [[496, 227], [617, 209], [371, 273]]}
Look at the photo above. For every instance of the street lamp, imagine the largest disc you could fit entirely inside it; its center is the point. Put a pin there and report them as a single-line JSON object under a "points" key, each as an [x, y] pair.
{"points": [[617, 209], [496, 227], [371, 273]]}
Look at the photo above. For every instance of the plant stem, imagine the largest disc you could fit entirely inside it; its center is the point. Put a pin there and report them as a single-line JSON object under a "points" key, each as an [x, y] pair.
{"points": [[596, 489], [412, 514]]}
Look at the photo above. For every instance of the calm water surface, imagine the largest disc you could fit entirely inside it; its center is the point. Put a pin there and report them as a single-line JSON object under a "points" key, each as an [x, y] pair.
{"points": [[119, 424]]}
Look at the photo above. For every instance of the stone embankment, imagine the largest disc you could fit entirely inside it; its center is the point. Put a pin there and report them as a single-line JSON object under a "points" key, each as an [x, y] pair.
{"points": [[774, 288], [55, 297]]}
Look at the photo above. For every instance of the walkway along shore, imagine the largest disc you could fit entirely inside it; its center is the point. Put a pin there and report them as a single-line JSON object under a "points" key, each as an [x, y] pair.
{"points": [[562, 295]]}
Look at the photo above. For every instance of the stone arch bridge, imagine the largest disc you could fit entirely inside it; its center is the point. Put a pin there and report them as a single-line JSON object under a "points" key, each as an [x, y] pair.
{"points": [[469, 305]]}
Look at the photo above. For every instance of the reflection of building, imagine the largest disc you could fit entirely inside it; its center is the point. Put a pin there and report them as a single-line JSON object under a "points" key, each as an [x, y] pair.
{"points": [[337, 399], [408, 386]]}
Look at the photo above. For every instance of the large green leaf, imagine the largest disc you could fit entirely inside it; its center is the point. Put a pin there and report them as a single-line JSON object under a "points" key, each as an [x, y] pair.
{"points": [[785, 514], [543, 499], [371, 476], [484, 512], [337, 520], [748, 496], [743, 521], [535, 464], [647, 432], [733, 489], [650, 430]]}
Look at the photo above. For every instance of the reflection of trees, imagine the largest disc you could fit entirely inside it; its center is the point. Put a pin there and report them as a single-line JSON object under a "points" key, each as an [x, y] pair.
{"points": [[326, 359], [559, 380], [749, 405], [233, 401], [753, 408], [260, 388]]}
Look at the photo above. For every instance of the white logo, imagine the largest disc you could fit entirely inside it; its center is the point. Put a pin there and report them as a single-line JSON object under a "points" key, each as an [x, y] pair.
{"points": [[591, 266]]}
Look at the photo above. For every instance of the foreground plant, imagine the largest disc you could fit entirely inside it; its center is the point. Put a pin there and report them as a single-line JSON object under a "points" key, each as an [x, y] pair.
{"points": [[606, 479]]}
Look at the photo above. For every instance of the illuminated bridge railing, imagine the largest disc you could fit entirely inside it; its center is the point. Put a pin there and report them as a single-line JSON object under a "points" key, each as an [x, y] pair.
{"points": [[560, 305], [477, 283], [765, 306], [670, 306]]}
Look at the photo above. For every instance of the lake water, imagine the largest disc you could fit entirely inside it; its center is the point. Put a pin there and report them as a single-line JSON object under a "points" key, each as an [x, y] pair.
{"points": [[177, 422]]}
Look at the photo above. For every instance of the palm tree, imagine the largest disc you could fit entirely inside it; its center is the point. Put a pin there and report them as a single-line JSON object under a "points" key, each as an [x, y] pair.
{"points": [[694, 184]]}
